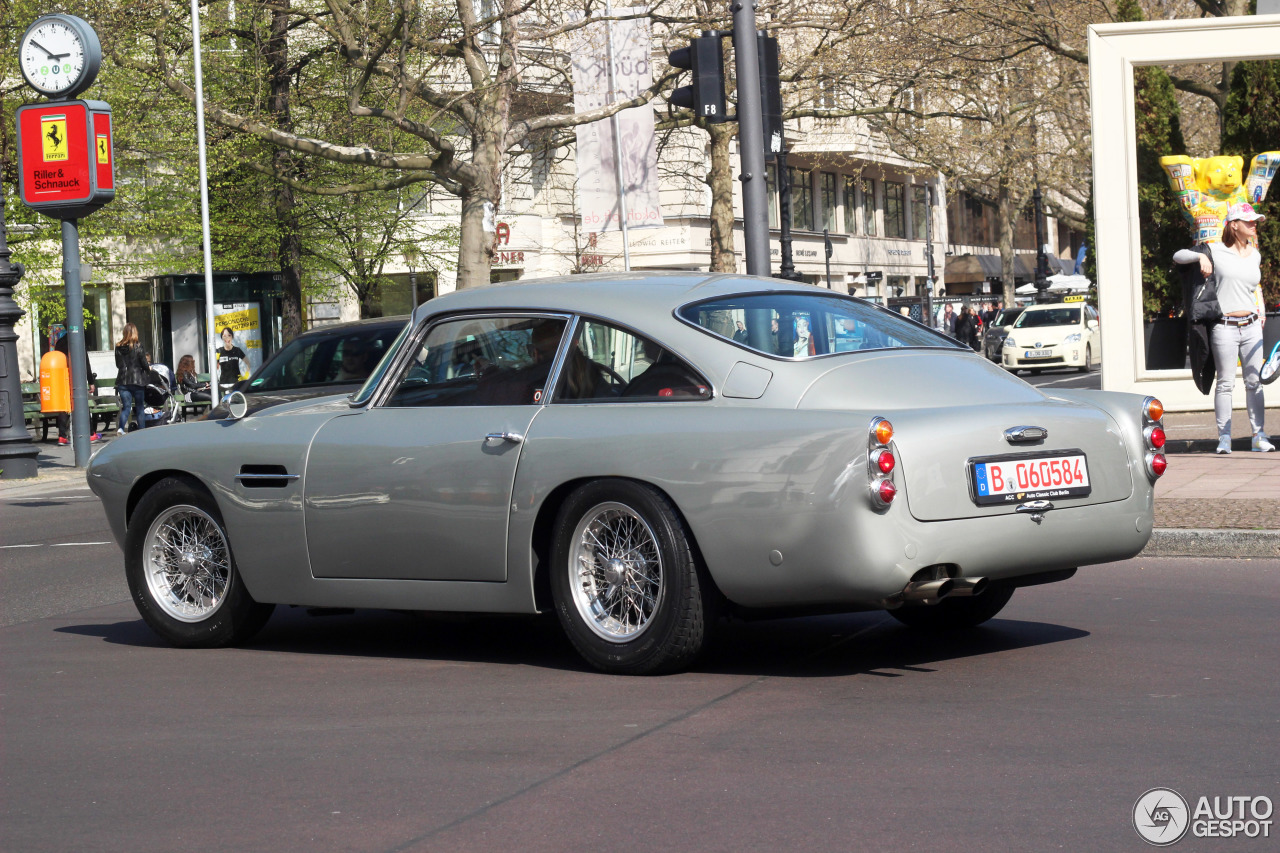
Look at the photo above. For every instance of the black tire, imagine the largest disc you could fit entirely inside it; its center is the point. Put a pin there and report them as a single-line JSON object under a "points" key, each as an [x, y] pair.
{"points": [[182, 617], [1088, 359], [955, 614], [636, 519]]}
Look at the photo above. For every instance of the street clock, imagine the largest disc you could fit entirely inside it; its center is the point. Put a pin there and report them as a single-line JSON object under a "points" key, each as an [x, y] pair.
{"points": [[60, 56]]}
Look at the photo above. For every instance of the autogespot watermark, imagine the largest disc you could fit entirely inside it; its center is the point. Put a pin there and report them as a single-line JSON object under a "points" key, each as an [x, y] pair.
{"points": [[1162, 816]]}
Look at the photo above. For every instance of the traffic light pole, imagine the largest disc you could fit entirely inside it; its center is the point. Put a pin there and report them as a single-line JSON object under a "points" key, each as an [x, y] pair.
{"points": [[755, 212]]}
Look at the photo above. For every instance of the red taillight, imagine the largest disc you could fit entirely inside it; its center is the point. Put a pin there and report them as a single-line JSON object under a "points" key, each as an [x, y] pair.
{"points": [[886, 491], [1157, 438], [1159, 464], [885, 461]]}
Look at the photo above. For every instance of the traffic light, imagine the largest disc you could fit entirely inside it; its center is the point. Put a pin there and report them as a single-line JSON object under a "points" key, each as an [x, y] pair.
{"points": [[705, 58], [770, 93]]}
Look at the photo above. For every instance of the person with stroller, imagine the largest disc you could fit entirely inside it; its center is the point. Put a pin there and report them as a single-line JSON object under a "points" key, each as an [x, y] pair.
{"points": [[157, 396], [132, 369]]}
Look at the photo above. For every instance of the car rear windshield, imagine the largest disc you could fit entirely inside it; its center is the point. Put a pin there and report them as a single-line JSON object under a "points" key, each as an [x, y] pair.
{"points": [[802, 325], [1035, 317]]}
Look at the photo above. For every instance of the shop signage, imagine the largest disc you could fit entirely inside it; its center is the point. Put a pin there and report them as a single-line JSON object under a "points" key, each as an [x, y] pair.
{"points": [[65, 160]]}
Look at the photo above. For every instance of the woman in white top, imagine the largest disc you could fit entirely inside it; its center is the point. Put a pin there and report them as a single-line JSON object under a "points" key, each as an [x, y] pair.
{"points": [[1235, 264]]}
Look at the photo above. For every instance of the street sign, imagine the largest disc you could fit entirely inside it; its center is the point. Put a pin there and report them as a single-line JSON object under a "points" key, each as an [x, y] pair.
{"points": [[65, 160]]}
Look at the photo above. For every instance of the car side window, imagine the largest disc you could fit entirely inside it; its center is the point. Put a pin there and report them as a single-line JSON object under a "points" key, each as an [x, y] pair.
{"points": [[481, 361], [608, 363]]}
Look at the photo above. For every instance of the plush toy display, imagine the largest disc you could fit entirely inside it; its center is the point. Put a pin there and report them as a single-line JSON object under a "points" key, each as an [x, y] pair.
{"points": [[1208, 186]]}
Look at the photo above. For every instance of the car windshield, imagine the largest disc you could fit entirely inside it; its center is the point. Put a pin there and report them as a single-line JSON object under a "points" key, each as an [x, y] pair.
{"points": [[325, 359], [1036, 317], [1006, 316], [802, 325]]}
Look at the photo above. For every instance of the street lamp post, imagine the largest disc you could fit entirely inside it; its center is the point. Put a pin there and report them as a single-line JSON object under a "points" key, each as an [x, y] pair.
{"points": [[411, 256], [1042, 258], [17, 453]]}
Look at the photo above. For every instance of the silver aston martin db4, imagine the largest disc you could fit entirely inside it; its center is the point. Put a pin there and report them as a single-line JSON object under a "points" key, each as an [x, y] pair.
{"points": [[641, 453]]}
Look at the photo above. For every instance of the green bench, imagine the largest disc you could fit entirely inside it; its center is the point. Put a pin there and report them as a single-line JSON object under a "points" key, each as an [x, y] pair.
{"points": [[102, 407]]}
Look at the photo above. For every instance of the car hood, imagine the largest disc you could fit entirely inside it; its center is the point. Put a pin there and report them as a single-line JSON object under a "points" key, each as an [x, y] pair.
{"points": [[1045, 335]]}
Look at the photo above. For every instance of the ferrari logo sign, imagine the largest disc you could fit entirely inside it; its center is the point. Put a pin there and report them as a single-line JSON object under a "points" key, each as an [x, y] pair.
{"points": [[65, 160], [53, 137]]}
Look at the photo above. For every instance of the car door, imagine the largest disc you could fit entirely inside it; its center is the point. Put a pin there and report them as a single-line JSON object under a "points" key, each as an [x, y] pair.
{"points": [[418, 484]]}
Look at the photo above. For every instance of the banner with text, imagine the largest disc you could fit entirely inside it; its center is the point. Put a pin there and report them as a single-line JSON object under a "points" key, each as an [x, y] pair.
{"points": [[599, 202]]}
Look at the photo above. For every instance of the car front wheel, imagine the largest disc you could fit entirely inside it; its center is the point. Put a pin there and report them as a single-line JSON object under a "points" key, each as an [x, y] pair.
{"points": [[1088, 360], [181, 572], [954, 614], [627, 587]]}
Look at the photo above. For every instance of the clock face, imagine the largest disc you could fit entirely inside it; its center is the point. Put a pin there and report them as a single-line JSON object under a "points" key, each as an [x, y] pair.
{"points": [[52, 56]]}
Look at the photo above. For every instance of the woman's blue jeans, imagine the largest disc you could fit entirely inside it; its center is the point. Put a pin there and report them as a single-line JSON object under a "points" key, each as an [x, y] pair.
{"points": [[130, 402]]}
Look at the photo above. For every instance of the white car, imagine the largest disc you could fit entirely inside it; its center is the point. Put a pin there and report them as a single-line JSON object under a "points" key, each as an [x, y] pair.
{"points": [[1062, 334]]}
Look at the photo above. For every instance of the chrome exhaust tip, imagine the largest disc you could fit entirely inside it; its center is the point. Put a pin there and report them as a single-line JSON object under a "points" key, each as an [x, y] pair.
{"points": [[968, 586], [928, 590]]}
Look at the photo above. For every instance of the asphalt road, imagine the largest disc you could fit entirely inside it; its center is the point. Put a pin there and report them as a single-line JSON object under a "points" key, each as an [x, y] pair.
{"points": [[381, 731]]}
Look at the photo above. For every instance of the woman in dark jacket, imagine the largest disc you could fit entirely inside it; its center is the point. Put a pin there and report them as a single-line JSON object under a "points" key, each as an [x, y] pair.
{"points": [[967, 327], [132, 367]]}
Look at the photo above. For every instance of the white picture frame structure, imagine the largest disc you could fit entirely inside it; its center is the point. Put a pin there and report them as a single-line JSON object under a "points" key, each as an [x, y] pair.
{"points": [[1114, 51]]}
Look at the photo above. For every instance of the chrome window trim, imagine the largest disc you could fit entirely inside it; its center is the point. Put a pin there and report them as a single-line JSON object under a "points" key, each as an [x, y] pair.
{"points": [[945, 344], [411, 345]]}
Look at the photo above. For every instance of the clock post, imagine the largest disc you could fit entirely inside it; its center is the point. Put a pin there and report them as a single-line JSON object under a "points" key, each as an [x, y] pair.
{"points": [[66, 168]]}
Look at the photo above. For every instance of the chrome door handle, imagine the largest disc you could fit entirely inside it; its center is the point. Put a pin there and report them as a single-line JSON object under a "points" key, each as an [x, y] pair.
{"points": [[512, 437]]}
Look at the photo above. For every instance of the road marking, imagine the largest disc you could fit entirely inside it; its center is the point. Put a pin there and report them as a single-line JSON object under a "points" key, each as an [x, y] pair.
{"points": [[69, 544], [41, 545]]}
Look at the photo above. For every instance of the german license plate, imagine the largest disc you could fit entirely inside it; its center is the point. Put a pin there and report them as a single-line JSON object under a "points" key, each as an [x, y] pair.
{"points": [[1038, 353], [1014, 479]]}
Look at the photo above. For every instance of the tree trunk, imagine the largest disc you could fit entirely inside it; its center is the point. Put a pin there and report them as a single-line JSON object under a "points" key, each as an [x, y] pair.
{"points": [[720, 179], [290, 249], [1005, 215]]}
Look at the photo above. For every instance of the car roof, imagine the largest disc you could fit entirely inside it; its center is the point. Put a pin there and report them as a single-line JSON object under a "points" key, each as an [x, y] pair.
{"points": [[340, 329], [1049, 305], [626, 295]]}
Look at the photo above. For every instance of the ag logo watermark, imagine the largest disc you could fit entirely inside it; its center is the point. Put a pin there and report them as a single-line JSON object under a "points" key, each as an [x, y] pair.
{"points": [[1162, 816]]}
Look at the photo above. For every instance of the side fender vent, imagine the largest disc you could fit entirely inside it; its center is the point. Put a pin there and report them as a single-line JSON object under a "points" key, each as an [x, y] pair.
{"points": [[264, 476]]}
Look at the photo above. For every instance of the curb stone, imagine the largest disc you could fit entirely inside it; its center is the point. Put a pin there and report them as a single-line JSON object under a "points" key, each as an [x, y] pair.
{"points": [[1174, 542]]}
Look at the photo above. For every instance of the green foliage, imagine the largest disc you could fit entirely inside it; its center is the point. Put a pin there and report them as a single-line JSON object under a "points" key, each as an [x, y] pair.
{"points": [[1252, 125], [1163, 228]]}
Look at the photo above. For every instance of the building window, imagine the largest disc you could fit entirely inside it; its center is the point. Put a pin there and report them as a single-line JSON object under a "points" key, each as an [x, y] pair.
{"points": [[919, 212], [850, 205], [895, 210], [867, 189], [827, 188], [801, 199]]}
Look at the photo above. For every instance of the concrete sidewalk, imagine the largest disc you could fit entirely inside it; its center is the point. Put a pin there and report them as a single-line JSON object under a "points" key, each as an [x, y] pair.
{"points": [[1206, 504]]}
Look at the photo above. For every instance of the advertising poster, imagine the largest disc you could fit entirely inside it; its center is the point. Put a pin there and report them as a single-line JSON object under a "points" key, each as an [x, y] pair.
{"points": [[597, 190], [244, 320]]}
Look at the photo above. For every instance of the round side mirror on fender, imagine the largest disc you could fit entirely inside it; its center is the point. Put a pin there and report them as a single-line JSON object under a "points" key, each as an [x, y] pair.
{"points": [[237, 405]]}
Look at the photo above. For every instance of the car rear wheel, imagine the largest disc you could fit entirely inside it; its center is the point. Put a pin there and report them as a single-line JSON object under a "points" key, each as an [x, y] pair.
{"points": [[627, 588], [954, 614], [181, 572]]}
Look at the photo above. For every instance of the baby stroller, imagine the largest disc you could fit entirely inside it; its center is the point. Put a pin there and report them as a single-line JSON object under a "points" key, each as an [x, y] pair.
{"points": [[158, 396]]}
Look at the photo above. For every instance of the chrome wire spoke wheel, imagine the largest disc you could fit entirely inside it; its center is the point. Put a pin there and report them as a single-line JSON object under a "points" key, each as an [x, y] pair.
{"points": [[187, 563], [615, 572]]}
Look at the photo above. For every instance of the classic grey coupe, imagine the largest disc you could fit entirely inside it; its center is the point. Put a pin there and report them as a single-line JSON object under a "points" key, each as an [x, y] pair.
{"points": [[641, 453]]}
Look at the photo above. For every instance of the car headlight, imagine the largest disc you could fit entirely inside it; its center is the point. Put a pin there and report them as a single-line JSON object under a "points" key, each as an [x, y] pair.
{"points": [[1072, 339], [1010, 342]]}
